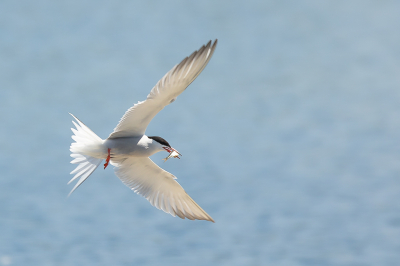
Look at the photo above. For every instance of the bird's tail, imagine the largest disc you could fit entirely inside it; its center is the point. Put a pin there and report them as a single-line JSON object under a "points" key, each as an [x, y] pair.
{"points": [[86, 151]]}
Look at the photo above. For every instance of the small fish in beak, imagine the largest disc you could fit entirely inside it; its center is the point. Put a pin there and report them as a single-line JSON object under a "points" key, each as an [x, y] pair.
{"points": [[173, 154]]}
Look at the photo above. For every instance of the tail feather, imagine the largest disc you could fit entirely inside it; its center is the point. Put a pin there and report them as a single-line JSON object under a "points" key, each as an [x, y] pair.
{"points": [[84, 174], [84, 165], [86, 151], [78, 159]]}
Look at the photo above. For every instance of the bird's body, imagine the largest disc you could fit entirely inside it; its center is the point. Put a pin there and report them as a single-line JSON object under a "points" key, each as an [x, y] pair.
{"points": [[128, 148], [132, 147]]}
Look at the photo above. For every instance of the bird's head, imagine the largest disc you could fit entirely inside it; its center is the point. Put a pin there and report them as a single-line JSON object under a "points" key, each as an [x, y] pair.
{"points": [[165, 145]]}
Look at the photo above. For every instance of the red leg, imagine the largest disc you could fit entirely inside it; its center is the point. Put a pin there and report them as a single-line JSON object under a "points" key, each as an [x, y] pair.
{"points": [[108, 158]]}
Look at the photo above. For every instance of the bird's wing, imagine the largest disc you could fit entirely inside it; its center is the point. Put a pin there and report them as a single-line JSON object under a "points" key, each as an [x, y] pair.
{"points": [[159, 187], [137, 118]]}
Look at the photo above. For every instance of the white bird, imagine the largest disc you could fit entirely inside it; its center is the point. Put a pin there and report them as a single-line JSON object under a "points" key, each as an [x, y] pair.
{"points": [[128, 148]]}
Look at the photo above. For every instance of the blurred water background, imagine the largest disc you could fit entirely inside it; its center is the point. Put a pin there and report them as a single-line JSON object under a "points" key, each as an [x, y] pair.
{"points": [[290, 137]]}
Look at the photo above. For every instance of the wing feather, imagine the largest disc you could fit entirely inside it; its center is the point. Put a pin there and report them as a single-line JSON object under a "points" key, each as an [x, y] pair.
{"points": [[137, 118], [159, 187]]}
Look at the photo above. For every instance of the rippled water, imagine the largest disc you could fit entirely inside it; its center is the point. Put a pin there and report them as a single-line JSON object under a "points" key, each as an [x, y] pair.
{"points": [[290, 136]]}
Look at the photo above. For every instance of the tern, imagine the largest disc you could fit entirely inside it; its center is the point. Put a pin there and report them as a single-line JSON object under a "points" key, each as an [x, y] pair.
{"points": [[128, 148]]}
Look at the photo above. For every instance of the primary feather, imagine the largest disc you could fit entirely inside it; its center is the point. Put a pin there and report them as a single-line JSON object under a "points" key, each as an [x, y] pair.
{"points": [[137, 118], [159, 187]]}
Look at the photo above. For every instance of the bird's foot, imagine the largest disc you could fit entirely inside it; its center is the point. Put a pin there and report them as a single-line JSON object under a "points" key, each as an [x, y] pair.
{"points": [[108, 158]]}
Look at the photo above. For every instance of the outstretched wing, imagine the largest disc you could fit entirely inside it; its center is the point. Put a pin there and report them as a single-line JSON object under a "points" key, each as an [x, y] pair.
{"points": [[159, 187], [137, 118]]}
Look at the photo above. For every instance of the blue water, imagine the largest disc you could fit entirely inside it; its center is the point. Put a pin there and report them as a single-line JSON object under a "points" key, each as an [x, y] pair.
{"points": [[290, 137]]}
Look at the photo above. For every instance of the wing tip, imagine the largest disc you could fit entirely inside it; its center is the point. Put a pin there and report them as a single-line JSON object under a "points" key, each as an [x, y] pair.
{"points": [[203, 218], [215, 44], [209, 219]]}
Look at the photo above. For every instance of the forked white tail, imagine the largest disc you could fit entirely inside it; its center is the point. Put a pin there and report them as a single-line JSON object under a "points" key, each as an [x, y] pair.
{"points": [[87, 151]]}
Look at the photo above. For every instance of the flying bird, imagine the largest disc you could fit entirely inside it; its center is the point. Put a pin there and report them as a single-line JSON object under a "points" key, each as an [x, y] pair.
{"points": [[128, 148]]}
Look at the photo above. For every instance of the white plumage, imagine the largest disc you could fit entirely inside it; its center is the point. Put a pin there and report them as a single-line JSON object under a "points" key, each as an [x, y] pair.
{"points": [[128, 148]]}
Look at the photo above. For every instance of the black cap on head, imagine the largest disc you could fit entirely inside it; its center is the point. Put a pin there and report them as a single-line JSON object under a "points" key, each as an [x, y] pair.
{"points": [[160, 140]]}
